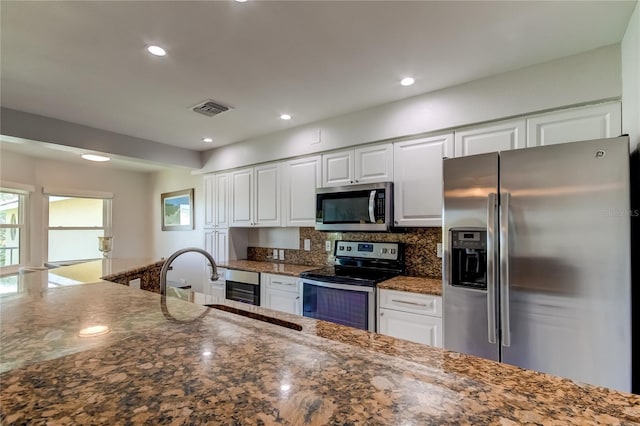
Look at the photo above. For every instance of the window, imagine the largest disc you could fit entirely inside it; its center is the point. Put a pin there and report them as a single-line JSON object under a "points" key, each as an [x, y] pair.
{"points": [[13, 247], [74, 225]]}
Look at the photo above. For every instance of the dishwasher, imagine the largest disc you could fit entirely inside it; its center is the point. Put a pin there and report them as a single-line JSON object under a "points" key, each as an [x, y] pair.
{"points": [[243, 286]]}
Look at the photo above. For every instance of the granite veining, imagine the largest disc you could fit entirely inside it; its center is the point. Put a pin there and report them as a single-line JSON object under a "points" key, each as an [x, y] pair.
{"points": [[420, 248], [167, 361], [430, 286], [291, 270]]}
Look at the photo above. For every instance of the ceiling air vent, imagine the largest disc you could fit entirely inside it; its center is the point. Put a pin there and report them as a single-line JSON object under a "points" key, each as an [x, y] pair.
{"points": [[209, 108]]}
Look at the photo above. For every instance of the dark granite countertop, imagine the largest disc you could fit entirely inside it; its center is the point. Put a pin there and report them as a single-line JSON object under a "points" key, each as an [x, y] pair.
{"points": [[173, 362], [430, 286], [289, 269]]}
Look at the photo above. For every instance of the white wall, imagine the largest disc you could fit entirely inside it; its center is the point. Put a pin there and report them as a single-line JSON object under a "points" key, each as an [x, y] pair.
{"points": [[131, 202], [188, 267], [630, 48], [578, 79]]}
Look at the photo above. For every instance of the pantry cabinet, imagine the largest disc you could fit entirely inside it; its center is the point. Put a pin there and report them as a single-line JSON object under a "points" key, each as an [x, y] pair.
{"points": [[216, 242], [301, 177], [501, 136], [369, 164], [418, 180], [410, 316], [216, 200], [280, 293], [575, 124]]}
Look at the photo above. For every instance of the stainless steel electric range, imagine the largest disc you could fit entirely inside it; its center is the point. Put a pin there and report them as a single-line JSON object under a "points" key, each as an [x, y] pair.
{"points": [[345, 293]]}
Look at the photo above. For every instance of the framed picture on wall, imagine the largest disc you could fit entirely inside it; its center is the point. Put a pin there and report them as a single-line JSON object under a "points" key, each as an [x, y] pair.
{"points": [[177, 210]]}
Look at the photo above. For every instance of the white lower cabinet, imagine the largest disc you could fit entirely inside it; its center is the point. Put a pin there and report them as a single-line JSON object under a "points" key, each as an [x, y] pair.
{"points": [[410, 316], [280, 293]]}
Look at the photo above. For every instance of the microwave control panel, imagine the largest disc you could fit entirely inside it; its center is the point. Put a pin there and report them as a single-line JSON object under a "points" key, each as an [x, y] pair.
{"points": [[368, 250]]}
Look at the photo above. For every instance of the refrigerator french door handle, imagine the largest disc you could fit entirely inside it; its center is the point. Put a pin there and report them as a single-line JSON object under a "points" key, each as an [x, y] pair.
{"points": [[492, 201], [504, 269]]}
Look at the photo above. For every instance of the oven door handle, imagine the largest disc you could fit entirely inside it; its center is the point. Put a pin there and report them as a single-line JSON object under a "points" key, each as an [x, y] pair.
{"points": [[359, 288], [372, 204]]}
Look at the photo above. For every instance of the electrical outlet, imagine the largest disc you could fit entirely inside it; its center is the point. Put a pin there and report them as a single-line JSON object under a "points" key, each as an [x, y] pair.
{"points": [[439, 250], [307, 244], [275, 254], [281, 254], [327, 245]]}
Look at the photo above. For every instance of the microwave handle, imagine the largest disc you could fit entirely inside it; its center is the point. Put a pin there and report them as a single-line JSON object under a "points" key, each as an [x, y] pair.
{"points": [[372, 201]]}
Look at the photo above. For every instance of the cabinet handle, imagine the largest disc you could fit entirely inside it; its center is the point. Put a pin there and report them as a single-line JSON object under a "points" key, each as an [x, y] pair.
{"points": [[298, 298], [350, 181], [395, 222], [424, 305], [381, 314]]}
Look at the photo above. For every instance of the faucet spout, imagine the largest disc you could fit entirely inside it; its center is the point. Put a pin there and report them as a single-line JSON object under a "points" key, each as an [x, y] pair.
{"points": [[167, 265]]}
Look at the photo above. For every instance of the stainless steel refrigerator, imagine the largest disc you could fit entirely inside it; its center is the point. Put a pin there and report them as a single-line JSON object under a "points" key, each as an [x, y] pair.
{"points": [[537, 264]]}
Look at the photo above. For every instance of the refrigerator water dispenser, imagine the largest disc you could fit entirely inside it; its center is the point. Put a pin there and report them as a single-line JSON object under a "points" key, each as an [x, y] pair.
{"points": [[469, 258]]}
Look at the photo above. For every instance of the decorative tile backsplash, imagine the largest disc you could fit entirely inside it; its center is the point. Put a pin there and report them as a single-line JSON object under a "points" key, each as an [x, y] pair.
{"points": [[420, 249]]}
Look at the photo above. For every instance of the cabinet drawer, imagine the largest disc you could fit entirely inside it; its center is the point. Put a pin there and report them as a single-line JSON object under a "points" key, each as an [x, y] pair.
{"points": [[424, 304], [280, 282]]}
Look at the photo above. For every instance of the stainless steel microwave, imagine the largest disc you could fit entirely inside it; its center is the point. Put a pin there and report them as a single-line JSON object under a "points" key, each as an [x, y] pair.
{"points": [[367, 207]]}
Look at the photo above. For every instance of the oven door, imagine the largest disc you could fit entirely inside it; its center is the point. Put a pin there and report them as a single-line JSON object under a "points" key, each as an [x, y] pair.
{"points": [[350, 305]]}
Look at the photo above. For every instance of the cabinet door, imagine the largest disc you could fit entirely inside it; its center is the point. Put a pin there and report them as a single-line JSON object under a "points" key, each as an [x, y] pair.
{"points": [[267, 195], [216, 242], [575, 124], [241, 197], [490, 138], [301, 178], [418, 180], [221, 245], [374, 163], [221, 208], [209, 201], [337, 168], [283, 301], [414, 327]]}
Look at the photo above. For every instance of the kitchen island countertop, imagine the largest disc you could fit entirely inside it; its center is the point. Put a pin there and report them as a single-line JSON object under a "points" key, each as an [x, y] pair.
{"points": [[173, 362]]}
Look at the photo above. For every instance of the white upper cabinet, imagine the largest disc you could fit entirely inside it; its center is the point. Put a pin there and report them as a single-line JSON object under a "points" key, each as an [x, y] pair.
{"points": [[241, 197], [209, 200], [360, 165], [221, 206], [216, 200], [418, 180], [255, 196], [493, 137], [300, 178], [267, 195], [338, 168], [374, 163], [575, 124], [216, 242]]}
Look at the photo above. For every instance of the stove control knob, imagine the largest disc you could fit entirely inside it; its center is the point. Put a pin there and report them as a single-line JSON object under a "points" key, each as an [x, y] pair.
{"points": [[393, 251], [341, 248], [384, 251], [348, 248]]}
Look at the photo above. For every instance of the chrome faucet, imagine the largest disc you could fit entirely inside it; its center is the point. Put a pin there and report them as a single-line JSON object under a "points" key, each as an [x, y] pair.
{"points": [[167, 266]]}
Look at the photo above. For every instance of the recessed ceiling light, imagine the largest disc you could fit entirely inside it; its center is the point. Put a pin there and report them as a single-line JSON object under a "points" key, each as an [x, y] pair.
{"points": [[241, 1], [285, 117], [156, 50], [407, 81], [207, 140], [92, 157]]}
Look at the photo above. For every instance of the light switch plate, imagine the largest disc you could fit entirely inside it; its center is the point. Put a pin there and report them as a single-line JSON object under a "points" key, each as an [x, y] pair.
{"points": [[439, 250], [327, 245], [307, 244], [281, 254], [275, 254]]}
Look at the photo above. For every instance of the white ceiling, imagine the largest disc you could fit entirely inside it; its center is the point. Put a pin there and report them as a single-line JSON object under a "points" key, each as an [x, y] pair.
{"points": [[85, 62]]}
